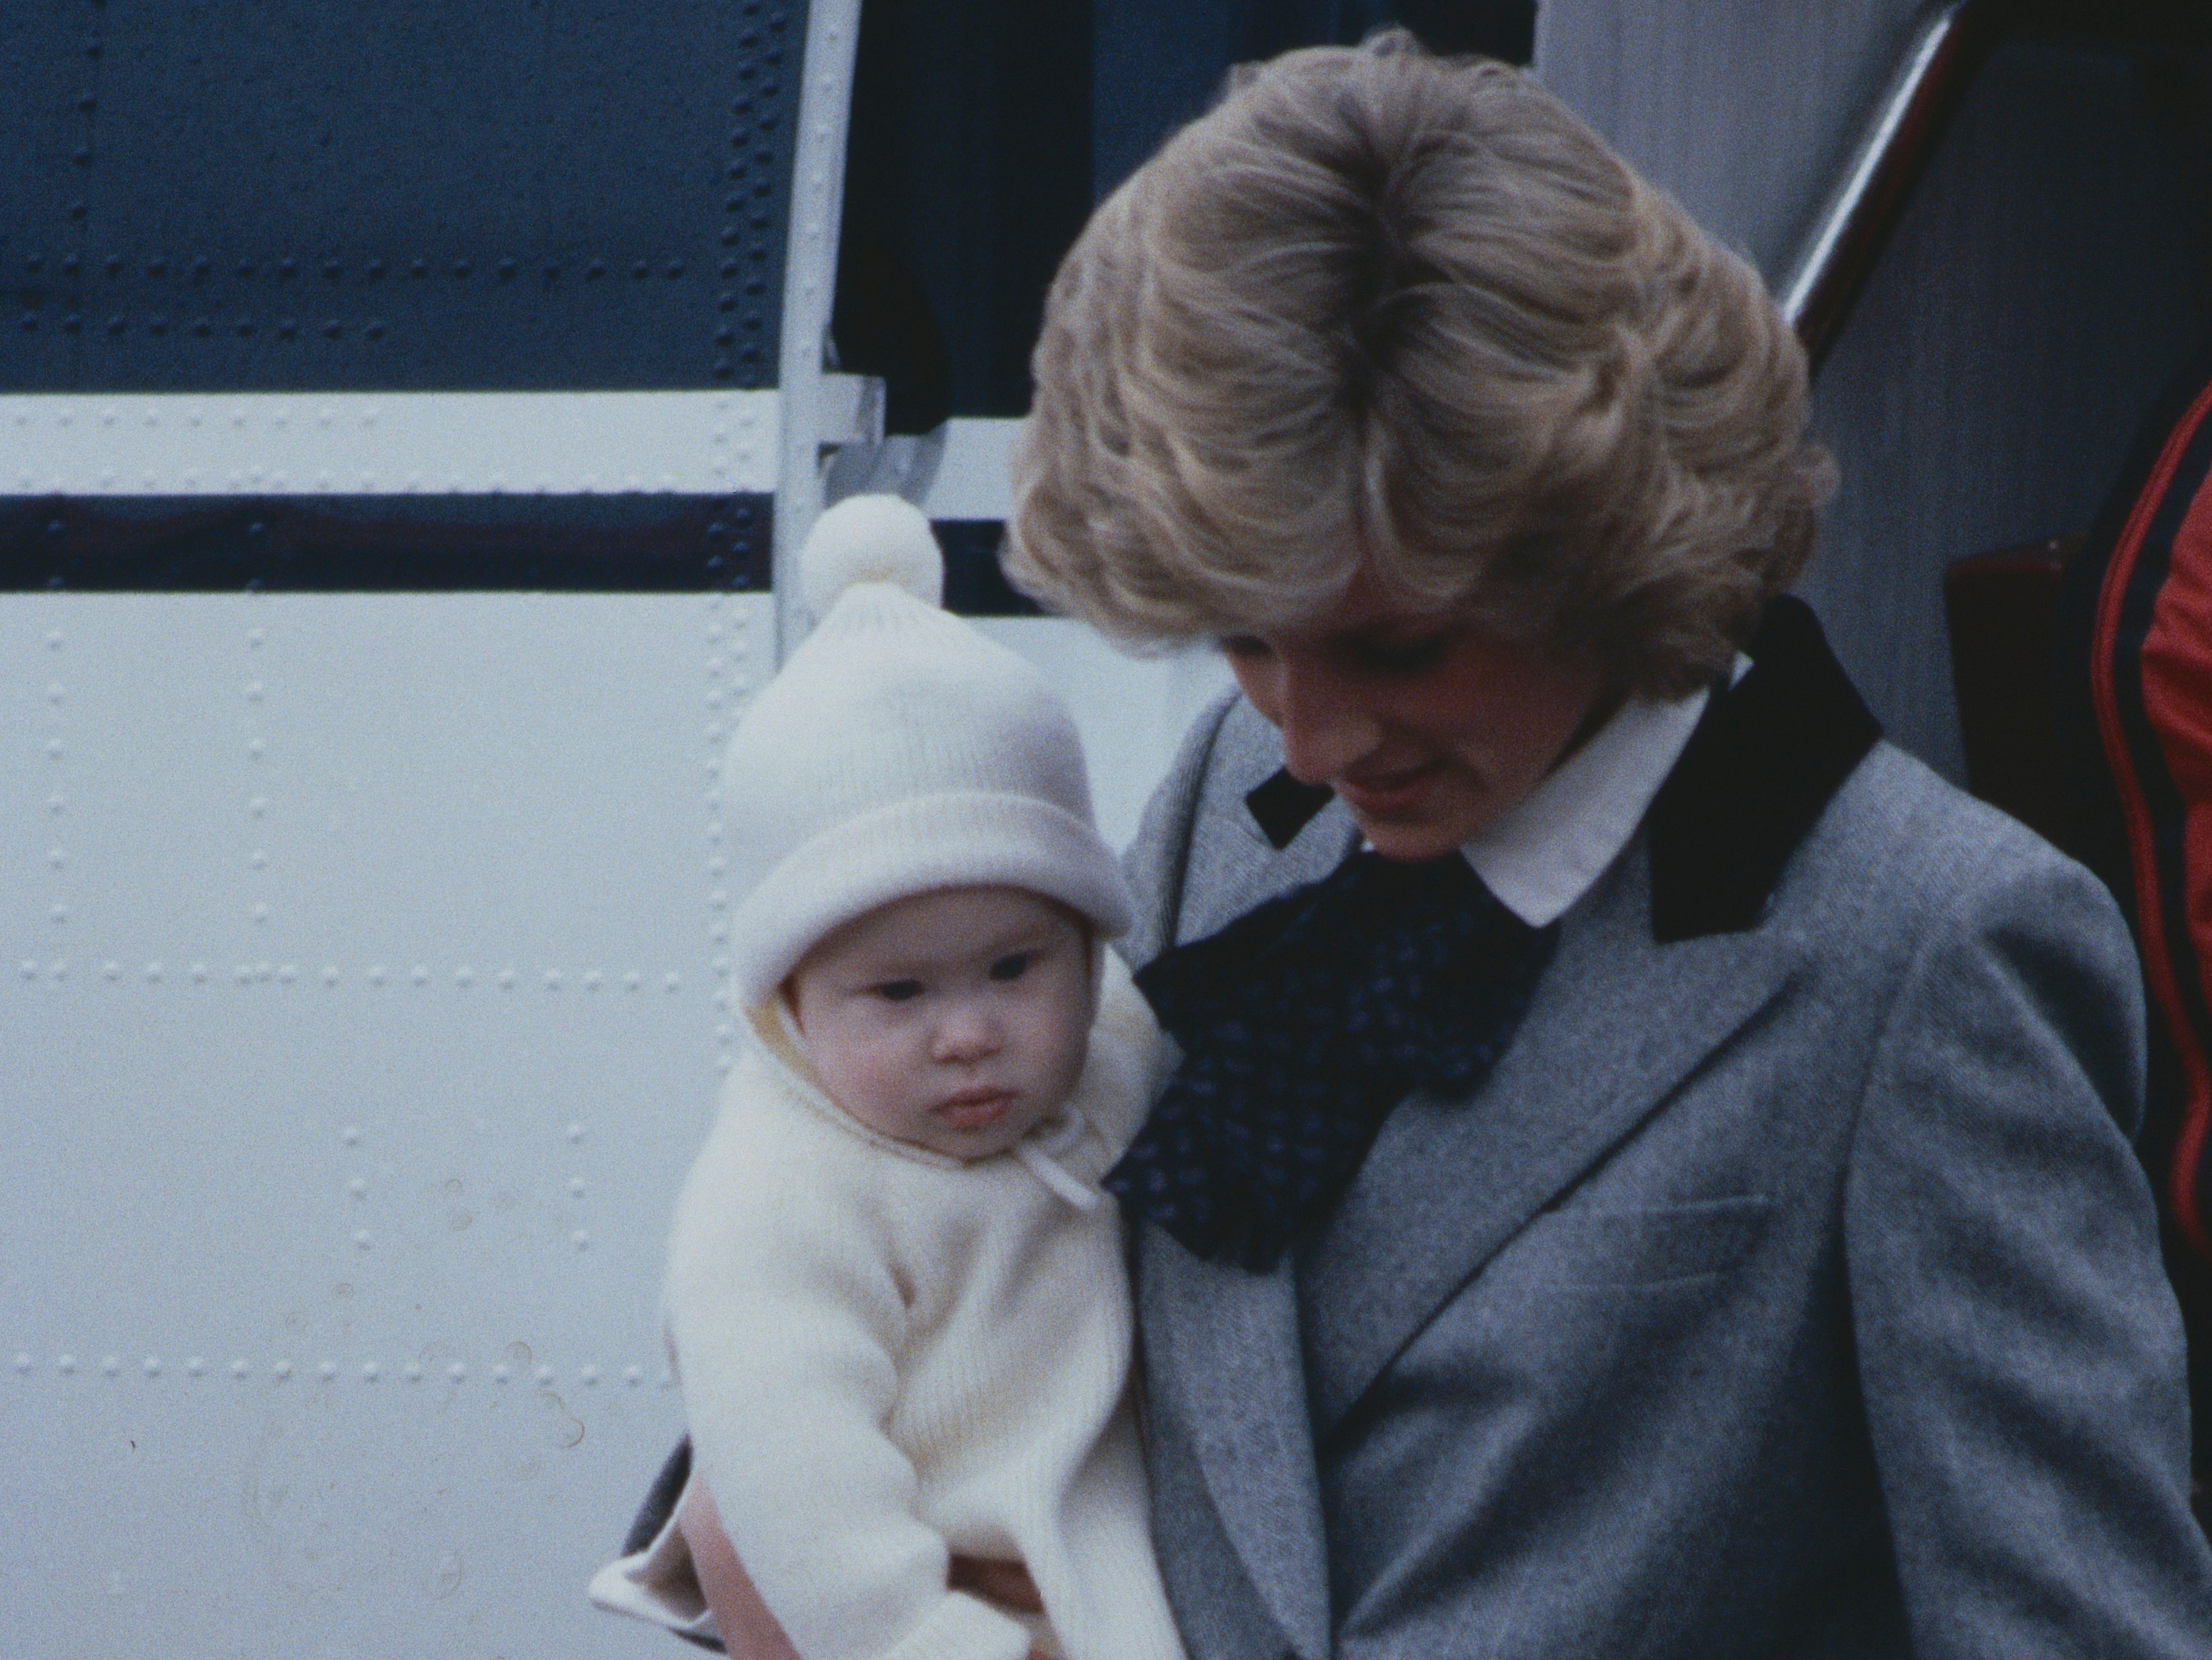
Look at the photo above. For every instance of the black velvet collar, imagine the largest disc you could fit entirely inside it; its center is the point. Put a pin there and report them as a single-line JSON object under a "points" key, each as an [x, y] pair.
{"points": [[1763, 763], [1283, 806]]}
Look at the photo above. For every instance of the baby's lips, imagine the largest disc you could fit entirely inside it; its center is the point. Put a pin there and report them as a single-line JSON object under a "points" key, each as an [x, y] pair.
{"points": [[974, 1108]]}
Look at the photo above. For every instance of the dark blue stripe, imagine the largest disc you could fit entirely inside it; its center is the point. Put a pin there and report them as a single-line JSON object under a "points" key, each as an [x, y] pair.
{"points": [[434, 544], [378, 543]]}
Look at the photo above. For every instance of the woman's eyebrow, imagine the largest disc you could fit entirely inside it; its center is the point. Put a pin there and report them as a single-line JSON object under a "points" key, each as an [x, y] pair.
{"points": [[1390, 632]]}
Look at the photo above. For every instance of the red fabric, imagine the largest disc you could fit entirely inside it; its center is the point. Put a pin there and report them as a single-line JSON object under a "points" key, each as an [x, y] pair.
{"points": [[2176, 668]]}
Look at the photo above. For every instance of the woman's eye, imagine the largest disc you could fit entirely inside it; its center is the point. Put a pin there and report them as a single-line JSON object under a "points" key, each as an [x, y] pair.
{"points": [[1011, 966], [898, 991], [1401, 656]]}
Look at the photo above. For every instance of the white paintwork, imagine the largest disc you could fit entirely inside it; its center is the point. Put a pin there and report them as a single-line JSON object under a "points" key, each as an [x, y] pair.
{"points": [[971, 478], [468, 787], [695, 443], [849, 410], [360, 1008], [959, 470], [811, 412]]}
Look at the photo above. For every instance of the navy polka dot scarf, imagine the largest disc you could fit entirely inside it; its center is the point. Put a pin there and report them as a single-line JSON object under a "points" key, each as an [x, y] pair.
{"points": [[1303, 1024]]}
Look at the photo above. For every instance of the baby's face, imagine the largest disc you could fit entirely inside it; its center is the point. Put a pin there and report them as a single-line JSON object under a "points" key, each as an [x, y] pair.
{"points": [[955, 1020]]}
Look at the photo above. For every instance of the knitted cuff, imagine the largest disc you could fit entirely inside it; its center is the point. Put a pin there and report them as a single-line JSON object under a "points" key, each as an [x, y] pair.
{"points": [[962, 1627]]}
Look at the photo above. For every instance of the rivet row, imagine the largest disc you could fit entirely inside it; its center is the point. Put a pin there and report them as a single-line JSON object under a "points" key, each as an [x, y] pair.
{"points": [[58, 910], [369, 1371], [371, 484], [161, 326], [199, 270], [748, 236], [709, 444], [264, 973], [725, 406], [723, 644]]}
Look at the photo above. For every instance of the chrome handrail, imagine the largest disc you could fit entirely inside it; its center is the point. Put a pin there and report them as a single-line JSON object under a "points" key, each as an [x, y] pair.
{"points": [[1948, 47]]}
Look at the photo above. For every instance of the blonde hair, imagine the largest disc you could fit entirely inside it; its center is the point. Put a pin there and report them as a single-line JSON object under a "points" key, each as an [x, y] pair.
{"points": [[1385, 303]]}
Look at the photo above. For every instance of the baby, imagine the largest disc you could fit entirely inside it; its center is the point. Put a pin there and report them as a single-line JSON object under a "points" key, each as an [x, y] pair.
{"points": [[895, 1292]]}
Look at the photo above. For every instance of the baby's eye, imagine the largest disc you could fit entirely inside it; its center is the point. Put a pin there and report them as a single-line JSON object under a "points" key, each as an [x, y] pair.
{"points": [[1012, 966], [897, 991], [1244, 647]]}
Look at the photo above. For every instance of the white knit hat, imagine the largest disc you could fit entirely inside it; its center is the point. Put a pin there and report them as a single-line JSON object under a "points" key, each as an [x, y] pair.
{"points": [[898, 751]]}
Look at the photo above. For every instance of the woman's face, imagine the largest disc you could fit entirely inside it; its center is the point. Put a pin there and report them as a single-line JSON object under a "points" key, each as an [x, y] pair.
{"points": [[1428, 729]]}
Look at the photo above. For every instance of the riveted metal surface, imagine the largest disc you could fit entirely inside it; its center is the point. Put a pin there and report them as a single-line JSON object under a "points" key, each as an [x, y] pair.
{"points": [[346, 1103], [604, 544], [349, 1095], [364, 443], [365, 953], [237, 195]]}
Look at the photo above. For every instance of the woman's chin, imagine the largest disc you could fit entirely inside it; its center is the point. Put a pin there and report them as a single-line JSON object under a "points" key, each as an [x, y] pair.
{"points": [[1446, 819], [1411, 842]]}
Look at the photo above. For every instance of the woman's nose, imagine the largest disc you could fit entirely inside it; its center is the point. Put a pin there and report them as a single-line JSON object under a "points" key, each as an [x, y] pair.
{"points": [[1325, 727]]}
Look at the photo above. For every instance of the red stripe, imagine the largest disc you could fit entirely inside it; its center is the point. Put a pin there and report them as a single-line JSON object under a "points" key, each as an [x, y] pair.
{"points": [[2176, 690], [2178, 710]]}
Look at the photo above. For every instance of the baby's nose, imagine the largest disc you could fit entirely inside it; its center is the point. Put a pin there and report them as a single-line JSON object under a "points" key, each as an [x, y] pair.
{"points": [[966, 1034]]}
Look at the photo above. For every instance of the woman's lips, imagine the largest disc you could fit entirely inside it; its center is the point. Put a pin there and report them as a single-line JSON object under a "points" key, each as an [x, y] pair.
{"points": [[974, 1108], [1390, 794]]}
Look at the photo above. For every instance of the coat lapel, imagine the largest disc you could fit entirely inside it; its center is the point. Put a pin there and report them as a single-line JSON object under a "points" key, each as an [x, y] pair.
{"points": [[1246, 846], [1225, 1342], [1618, 1024], [1640, 992], [1660, 967], [1222, 1346]]}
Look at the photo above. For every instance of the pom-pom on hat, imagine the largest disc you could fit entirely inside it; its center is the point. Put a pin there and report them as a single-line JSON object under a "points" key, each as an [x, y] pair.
{"points": [[897, 752], [870, 539]]}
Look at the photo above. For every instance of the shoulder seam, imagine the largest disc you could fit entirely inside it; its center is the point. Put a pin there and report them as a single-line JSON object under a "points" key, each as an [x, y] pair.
{"points": [[1171, 909]]}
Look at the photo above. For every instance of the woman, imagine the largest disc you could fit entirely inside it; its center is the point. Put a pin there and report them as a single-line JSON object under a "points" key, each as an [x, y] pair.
{"points": [[1743, 1254]]}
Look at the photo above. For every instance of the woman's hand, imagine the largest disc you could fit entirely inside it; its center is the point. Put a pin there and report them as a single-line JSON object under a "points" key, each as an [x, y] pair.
{"points": [[750, 1631], [1006, 1583]]}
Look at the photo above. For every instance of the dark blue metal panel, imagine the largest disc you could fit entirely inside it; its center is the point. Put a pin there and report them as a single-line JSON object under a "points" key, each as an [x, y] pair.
{"points": [[252, 195], [325, 544]]}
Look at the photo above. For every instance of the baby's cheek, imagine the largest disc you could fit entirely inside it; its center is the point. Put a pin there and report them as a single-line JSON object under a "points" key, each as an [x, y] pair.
{"points": [[1067, 1061], [855, 1071], [892, 1080]]}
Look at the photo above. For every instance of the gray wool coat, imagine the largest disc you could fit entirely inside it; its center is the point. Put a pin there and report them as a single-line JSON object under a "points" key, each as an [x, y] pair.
{"points": [[1789, 1290]]}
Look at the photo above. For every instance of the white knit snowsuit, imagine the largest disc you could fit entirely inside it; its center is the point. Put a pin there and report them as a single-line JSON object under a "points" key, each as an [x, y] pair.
{"points": [[889, 1357]]}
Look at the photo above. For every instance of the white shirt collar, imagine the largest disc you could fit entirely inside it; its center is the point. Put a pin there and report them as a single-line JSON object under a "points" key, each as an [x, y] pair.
{"points": [[1548, 851]]}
